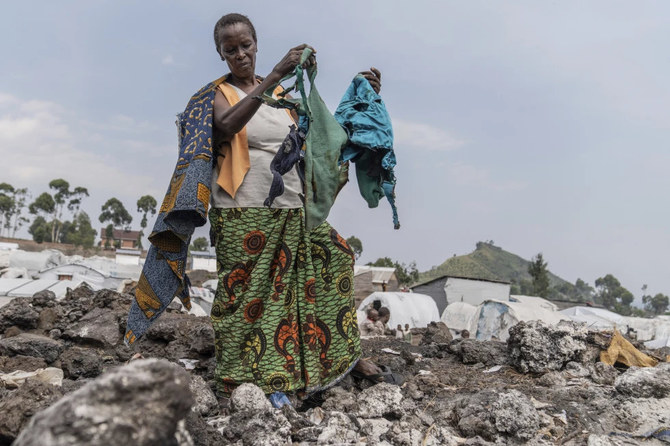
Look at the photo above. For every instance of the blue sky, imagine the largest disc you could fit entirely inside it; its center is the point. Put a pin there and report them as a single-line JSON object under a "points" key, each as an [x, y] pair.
{"points": [[543, 126]]}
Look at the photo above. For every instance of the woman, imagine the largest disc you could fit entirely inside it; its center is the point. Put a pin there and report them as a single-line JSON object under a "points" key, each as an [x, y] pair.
{"points": [[284, 315]]}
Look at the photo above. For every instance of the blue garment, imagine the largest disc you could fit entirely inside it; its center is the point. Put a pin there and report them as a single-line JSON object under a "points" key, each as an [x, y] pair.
{"points": [[363, 115], [289, 154], [184, 207]]}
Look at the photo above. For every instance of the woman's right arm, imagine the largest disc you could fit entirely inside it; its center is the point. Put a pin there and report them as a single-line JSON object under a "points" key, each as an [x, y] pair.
{"points": [[230, 120]]}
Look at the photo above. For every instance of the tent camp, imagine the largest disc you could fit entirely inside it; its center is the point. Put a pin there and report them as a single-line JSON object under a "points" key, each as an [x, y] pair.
{"points": [[494, 318], [645, 329], [458, 316], [417, 310]]}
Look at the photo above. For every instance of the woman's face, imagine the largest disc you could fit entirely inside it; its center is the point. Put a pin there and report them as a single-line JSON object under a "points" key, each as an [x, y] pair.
{"points": [[238, 49]]}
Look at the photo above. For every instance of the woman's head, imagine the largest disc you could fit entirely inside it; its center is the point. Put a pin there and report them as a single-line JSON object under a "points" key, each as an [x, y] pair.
{"points": [[236, 43]]}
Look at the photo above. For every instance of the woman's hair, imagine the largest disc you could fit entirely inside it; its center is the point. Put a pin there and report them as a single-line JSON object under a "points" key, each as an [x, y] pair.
{"points": [[231, 19]]}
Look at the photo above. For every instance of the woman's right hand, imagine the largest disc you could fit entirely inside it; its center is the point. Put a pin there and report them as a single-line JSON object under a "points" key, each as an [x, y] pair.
{"points": [[292, 58]]}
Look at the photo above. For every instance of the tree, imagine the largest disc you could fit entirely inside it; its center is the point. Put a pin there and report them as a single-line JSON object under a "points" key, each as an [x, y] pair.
{"points": [[109, 235], [114, 212], [44, 206], [145, 204], [40, 230], [79, 232], [406, 274], [657, 304], [540, 276], [612, 295], [199, 244], [584, 289], [356, 245], [53, 206]]}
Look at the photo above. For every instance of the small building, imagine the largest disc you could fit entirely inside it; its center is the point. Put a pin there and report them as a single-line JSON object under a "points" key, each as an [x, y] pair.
{"points": [[120, 239], [449, 289], [368, 279], [203, 260], [128, 256]]}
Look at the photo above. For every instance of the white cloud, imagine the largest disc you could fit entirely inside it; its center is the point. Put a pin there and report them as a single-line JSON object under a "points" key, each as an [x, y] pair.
{"points": [[424, 136], [41, 141], [168, 60], [480, 177]]}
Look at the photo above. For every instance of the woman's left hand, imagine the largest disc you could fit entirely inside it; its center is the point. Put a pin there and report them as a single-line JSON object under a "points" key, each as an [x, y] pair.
{"points": [[374, 76]]}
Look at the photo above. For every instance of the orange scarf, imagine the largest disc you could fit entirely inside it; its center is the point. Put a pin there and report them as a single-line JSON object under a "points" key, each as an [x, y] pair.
{"points": [[233, 158]]}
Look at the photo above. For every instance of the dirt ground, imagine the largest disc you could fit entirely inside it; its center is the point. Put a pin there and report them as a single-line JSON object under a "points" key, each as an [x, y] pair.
{"points": [[544, 386]]}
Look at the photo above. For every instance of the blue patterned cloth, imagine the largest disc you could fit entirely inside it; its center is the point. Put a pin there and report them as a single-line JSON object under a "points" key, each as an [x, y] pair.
{"points": [[184, 208]]}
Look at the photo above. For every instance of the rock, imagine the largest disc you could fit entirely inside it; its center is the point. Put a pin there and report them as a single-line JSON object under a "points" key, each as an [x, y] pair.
{"points": [[538, 348], [166, 328], [55, 333], [20, 362], [336, 398], [28, 344], [48, 317], [139, 404], [489, 414], [12, 331], [98, 327], [18, 312], [44, 299], [515, 415], [379, 400], [339, 429], [552, 379], [201, 336], [206, 403], [374, 428], [248, 396], [20, 405], [602, 373], [436, 332], [645, 382], [254, 428], [489, 353], [111, 299], [576, 370], [81, 362]]}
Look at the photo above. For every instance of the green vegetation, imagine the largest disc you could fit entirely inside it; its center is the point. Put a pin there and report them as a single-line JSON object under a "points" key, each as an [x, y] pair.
{"points": [[613, 296], [491, 262], [146, 204], [356, 245], [115, 213], [199, 244], [538, 271], [406, 274]]}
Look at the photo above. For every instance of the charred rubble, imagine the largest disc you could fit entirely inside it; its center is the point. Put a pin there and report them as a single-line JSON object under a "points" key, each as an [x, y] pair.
{"points": [[66, 378]]}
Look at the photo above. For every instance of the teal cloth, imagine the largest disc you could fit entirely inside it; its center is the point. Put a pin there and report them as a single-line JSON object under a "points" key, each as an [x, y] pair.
{"points": [[363, 115], [324, 177]]}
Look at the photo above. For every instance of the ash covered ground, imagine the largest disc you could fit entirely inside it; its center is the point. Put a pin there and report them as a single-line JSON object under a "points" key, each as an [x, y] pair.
{"points": [[67, 379]]}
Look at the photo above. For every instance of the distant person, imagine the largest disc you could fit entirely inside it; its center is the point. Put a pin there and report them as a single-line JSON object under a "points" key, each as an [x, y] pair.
{"points": [[384, 317], [370, 326], [465, 334], [399, 333], [408, 334]]}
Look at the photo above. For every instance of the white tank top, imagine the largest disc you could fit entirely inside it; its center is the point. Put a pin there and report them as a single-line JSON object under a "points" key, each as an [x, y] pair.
{"points": [[266, 130]]}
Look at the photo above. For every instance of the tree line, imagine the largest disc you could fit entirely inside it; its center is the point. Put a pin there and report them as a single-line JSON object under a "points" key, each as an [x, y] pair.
{"points": [[608, 291], [56, 215]]}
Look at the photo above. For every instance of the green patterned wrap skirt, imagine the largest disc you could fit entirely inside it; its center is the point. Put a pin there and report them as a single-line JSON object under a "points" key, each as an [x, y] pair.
{"points": [[283, 316]]}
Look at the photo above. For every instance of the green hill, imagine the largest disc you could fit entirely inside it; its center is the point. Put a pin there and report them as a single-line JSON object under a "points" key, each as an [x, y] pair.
{"points": [[491, 262]]}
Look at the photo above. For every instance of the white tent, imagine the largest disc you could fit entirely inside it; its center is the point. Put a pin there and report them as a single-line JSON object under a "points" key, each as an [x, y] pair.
{"points": [[596, 318], [494, 318], [535, 301], [458, 316], [417, 310], [645, 329]]}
